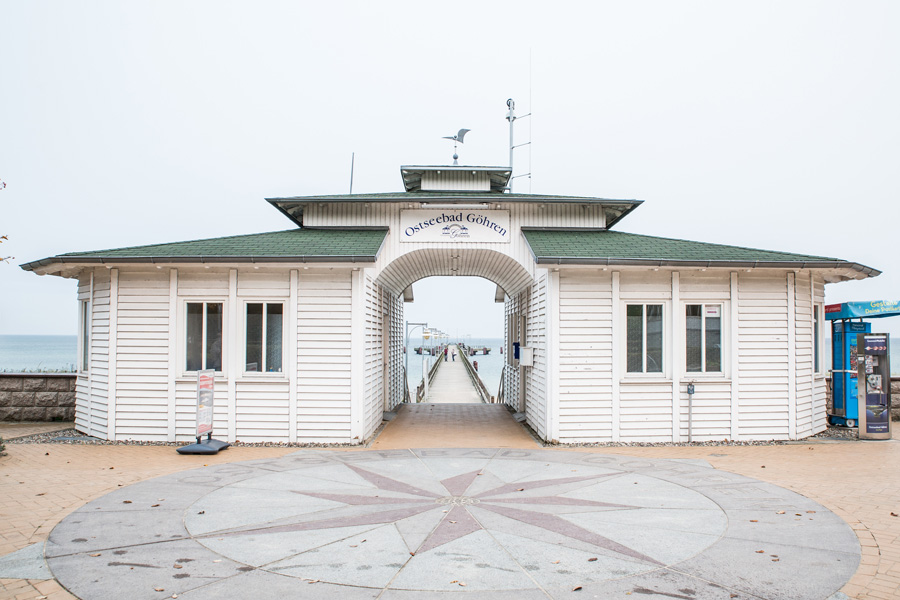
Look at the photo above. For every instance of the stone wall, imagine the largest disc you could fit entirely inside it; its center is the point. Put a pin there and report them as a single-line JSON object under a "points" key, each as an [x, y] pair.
{"points": [[37, 396]]}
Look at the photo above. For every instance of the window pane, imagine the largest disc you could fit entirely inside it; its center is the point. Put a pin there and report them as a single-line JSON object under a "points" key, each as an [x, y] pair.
{"points": [[634, 338], [194, 327], [273, 337], [654, 338], [85, 335], [214, 336], [254, 337], [693, 337], [816, 338], [713, 344]]}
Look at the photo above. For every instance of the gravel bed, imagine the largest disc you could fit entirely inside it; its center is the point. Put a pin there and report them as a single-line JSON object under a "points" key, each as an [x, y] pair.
{"points": [[72, 437]]}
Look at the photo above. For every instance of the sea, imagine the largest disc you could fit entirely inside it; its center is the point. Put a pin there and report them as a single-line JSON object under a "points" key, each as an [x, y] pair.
{"points": [[57, 353], [29, 353]]}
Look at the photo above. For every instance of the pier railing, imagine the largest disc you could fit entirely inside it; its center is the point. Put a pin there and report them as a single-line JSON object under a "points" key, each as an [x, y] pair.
{"points": [[476, 380], [432, 372]]}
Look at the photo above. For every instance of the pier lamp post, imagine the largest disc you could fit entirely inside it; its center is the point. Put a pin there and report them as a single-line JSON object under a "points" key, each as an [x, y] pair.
{"points": [[424, 326]]}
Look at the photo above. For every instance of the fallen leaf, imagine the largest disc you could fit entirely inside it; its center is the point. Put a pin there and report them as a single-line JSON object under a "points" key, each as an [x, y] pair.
{"points": [[592, 559], [111, 468], [453, 521], [893, 514], [776, 559], [462, 584], [754, 521], [96, 554], [126, 501], [353, 545], [809, 512], [159, 589], [555, 562], [202, 512], [576, 588], [780, 512], [520, 490], [154, 505], [42, 494], [218, 560], [177, 566], [763, 467], [455, 581], [760, 551]]}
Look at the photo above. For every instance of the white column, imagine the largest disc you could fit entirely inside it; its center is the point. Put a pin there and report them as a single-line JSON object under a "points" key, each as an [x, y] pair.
{"points": [[113, 344], [292, 339], [617, 354], [792, 355], [733, 356], [676, 343], [357, 353], [231, 361], [173, 353], [551, 347]]}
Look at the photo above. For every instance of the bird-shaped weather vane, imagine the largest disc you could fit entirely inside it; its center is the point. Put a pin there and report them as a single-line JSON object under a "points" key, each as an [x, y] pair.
{"points": [[457, 139]]}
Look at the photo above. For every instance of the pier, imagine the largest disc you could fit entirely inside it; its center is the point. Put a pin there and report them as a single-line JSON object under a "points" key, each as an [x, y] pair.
{"points": [[452, 383]]}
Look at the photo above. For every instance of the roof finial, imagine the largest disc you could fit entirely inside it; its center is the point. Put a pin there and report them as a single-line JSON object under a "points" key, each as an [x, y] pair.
{"points": [[458, 138]]}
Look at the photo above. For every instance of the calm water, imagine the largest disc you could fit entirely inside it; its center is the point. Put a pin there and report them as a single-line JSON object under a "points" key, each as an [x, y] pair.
{"points": [[38, 352]]}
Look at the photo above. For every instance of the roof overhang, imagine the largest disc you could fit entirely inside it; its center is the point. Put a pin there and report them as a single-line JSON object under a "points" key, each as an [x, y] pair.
{"points": [[412, 175]]}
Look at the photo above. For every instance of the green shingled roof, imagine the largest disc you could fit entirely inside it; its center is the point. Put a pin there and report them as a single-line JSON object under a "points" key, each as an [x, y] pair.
{"points": [[293, 245], [619, 248]]}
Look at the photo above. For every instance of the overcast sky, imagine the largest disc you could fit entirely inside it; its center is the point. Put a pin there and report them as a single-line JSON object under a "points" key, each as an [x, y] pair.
{"points": [[764, 124]]}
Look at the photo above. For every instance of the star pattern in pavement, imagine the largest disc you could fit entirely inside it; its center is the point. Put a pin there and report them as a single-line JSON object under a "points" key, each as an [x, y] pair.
{"points": [[510, 500]]}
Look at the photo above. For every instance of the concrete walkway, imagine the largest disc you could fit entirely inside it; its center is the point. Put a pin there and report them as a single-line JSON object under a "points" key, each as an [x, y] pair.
{"points": [[767, 552], [452, 384]]}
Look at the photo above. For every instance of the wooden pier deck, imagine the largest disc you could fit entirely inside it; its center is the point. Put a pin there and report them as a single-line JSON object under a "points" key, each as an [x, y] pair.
{"points": [[452, 384]]}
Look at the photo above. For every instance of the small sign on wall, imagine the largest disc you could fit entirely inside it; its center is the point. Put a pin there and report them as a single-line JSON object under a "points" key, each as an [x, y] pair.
{"points": [[454, 225]]}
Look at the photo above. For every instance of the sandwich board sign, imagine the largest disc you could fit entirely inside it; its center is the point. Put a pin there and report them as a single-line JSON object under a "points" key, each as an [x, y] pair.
{"points": [[206, 393]]}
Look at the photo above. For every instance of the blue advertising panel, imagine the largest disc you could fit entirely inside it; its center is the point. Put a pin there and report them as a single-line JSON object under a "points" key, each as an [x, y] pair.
{"points": [[844, 371], [874, 381], [874, 309]]}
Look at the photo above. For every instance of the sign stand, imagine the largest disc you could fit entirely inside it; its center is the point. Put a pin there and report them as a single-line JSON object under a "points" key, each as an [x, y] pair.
{"points": [[205, 395]]}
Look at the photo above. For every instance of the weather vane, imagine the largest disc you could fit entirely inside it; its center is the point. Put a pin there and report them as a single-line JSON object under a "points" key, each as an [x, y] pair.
{"points": [[457, 139]]}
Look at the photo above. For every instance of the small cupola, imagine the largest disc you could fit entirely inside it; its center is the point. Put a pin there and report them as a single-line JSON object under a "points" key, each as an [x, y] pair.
{"points": [[455, 178]]}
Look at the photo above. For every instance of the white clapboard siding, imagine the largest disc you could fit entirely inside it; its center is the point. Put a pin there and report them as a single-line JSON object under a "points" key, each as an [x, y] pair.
{"points": [[264, 283], [186, 408], [323, 356], [820, 390], [512, 308], [711, 412], [397, 383], [203, 284], [585, 356], [763, 397], [99, 376], [373, 399], [142, 351], [262, 409], [83, 381], [803, 354], [536, 376], [645, 411]]}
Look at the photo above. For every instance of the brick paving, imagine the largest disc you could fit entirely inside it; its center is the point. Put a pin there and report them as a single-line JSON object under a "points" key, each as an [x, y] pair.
{"points": [[859, 481]]}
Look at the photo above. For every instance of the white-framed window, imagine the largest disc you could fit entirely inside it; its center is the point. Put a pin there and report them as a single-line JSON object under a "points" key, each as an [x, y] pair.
{"points": [[644, 338], [203, 335], [703, 338], [263, 340], [817, 338], [84, 336]]}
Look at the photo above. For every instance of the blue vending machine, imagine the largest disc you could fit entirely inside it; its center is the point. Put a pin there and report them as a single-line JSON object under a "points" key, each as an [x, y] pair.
{"points": [[844, 352], [843, 371]]}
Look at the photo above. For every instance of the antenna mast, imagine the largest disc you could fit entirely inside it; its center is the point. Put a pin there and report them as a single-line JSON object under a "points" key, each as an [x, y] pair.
{"points": [[511, 117]]}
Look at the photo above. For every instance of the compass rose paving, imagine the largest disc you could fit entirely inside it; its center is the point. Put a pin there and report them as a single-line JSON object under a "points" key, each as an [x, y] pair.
{"points": [[440, 523]]}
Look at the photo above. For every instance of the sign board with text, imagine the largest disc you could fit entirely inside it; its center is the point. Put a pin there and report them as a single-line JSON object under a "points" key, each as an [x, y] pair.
{"points": [[205, 393], [454, 225]]}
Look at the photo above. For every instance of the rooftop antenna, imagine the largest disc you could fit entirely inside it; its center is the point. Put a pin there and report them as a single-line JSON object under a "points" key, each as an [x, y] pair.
{"points": [[352, 164], [511, 117], [457, 139]]}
